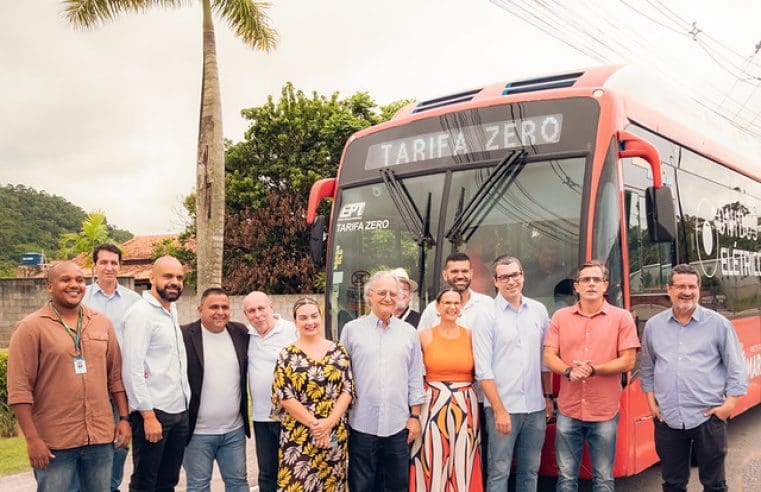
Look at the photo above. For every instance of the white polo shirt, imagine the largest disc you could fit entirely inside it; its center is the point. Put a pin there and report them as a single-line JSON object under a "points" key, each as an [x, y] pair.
{"points": [[262, 356]]}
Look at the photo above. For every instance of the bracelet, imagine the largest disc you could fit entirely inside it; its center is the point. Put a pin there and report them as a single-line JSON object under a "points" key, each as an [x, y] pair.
{"points": [[124, 418], [549, 395], [415, 417], [593, 370]]}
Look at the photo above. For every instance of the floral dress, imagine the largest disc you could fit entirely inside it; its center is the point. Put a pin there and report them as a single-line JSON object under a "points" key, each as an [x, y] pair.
{"points": [[317, 385]]}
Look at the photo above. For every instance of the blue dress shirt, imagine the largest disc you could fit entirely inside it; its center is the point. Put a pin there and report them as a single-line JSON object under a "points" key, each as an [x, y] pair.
{"points": [[507, 346], [113, 306], [382, 360], [691, 368]]}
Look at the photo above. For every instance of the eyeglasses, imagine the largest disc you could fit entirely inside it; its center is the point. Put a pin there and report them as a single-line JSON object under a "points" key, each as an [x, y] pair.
{"points": [[589, 280], [685, 286], [508, 276], [386, 293]]}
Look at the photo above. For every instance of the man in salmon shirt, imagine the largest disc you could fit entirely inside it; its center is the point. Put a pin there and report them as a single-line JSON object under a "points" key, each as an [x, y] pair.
{"points": [[590, 344]]}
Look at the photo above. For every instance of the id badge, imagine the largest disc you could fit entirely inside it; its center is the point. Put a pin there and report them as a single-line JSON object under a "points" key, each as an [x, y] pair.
{"points": [[79, 365]]}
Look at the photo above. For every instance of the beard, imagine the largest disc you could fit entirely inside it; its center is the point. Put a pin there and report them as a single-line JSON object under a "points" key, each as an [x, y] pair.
{"points": [[169, 296]]}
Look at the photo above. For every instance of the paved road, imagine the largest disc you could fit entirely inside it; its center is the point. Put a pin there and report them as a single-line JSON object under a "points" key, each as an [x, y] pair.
{"points": [[743, 466]]}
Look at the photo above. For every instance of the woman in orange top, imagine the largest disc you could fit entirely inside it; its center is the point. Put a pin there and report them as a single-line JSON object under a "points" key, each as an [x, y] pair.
{"points": [[447, 455]]}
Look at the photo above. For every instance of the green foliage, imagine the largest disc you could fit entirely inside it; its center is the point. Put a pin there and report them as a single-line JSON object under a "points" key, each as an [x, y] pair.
{"points": [[93, 232], [32, 221], [8, 427], [290, 143]]}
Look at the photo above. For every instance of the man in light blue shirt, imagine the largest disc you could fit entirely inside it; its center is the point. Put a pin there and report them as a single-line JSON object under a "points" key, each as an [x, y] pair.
{"points": [[113, 300], [692, 371], [507, 347], [154, 372], [388, 372]]}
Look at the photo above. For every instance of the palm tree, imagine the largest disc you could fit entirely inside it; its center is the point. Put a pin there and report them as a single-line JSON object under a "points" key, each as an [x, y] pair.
{"points": [[249, 21], [94, 232]]}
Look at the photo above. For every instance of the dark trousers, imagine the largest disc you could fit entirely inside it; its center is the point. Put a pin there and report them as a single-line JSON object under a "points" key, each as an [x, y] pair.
{"points": [[157, 464], [379, 463], [709, 443], [267, 439]]}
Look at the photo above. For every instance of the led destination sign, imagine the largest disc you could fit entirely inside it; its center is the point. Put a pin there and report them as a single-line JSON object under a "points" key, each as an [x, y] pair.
{"points": [[487, 137]]}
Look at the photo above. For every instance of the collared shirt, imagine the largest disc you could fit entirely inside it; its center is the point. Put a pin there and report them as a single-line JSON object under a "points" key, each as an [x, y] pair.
{"points": [[508, 349], [262, 355], [155, 370], [600, 337], [69, 410], [468, 314], [382, 360], [113, 306], [691, 368]]}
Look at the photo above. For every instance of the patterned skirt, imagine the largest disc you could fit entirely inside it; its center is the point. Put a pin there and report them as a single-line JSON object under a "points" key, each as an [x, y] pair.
{"points": [[447, 456]]}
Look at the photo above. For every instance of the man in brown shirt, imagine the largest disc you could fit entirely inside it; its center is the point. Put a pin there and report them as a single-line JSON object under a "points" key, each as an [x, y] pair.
{"points": [[63, 362]]}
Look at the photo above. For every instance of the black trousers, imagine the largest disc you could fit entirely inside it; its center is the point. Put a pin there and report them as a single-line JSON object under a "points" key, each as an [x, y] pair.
{"points": [[379, 463], [709, 443], [157, 464], [267, 439]]}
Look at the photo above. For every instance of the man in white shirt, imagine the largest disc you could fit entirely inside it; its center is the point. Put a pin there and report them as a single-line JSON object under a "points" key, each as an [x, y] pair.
{"points": [[269, 334], [458, 274], [154, 372], [217, 351]]}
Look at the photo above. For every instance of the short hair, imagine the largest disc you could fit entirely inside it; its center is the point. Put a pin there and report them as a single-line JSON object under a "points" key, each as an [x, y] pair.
{"points": [[377, 276], [594, 264], [211, 291], [106, 247], [457, 256], [683, 269], [444, 291], [505, 260]]}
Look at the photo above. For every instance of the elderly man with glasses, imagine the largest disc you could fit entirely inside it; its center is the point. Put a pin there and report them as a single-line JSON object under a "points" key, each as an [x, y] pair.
{"points": [[590, 344], [388, 374]]}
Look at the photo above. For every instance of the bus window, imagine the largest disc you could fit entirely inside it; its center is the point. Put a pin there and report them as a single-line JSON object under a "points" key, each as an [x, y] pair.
{"points": [[606, 239], [649, 263], [522, 219]]}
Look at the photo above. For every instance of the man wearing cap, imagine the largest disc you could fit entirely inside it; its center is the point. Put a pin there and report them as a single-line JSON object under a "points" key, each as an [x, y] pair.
{"points": [[403, 310]]}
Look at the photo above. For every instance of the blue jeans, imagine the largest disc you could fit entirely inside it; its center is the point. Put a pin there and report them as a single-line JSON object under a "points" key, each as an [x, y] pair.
{"points": [[120, 457], [93, 464], [570, 434], [525, 440], [228, 449]]}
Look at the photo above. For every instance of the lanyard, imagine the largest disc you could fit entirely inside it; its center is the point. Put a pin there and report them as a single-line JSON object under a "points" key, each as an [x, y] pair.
{"points": [[75, 337]]}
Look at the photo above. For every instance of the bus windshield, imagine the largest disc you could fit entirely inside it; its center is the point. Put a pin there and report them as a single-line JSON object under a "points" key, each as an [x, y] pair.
{"points": [[533, 212]]}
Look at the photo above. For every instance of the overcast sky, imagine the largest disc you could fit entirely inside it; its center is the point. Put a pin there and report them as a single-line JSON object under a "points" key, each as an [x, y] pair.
{"points": [[108, 118]]}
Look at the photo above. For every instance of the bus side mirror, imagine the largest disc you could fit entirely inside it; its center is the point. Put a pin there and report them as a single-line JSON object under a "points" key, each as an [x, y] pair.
{"points": [[661, 219], [317, 240]]}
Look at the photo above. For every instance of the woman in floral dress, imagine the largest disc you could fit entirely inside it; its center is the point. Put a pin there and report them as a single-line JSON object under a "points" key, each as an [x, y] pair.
{"points": [[312, 389]]}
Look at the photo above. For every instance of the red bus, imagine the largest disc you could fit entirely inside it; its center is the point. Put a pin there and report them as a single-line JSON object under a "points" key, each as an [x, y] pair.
{"points": [[557, 170]]}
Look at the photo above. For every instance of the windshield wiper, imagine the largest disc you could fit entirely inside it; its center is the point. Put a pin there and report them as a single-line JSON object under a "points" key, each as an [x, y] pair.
{"points": [[418, 228], [504, 173]]}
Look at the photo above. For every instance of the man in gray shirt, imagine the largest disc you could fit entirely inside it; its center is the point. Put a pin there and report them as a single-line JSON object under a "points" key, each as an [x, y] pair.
{"points": [[388, 373], [692, 372]]}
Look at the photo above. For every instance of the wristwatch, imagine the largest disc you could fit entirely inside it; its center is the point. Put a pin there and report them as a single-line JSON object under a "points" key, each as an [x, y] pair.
{"points": [[415, 416], [124, 417], [549, 395], [567, 373]]}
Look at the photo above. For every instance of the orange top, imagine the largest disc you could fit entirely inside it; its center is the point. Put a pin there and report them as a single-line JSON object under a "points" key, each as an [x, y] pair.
{"points": [[449, 360]]}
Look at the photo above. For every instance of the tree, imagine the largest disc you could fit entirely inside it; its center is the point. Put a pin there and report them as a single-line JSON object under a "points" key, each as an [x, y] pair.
{"points": [[94, 231], [248, 20], [290, 143]]}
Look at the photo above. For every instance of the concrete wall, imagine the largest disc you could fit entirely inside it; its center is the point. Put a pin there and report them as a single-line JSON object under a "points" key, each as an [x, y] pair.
{"points": [[21, 296]]}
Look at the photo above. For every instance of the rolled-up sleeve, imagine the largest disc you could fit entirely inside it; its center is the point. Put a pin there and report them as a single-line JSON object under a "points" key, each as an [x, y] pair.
{"points": [[483, 342], [23, 364], [136, 336], [646, 361], [737, 373], [415, 388]]}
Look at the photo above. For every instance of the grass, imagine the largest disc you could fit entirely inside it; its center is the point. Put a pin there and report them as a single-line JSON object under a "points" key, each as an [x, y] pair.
{"points": [[13, 457]]}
